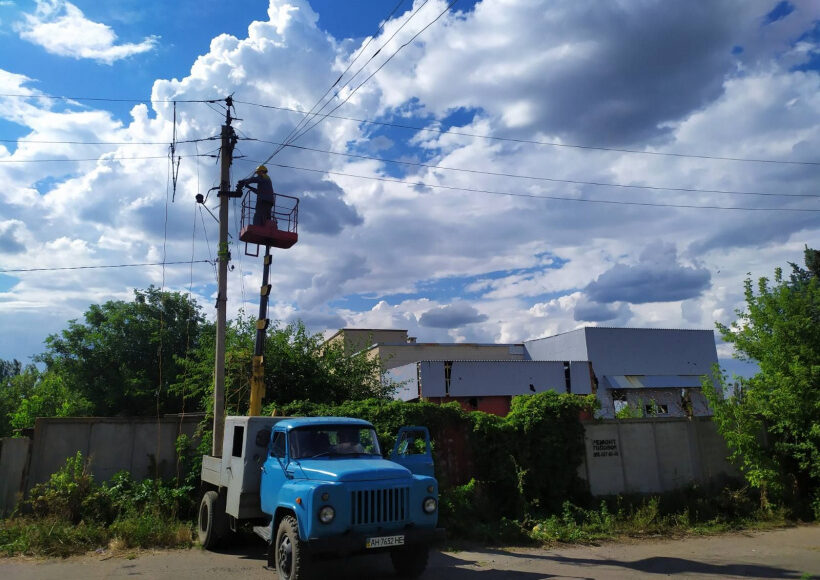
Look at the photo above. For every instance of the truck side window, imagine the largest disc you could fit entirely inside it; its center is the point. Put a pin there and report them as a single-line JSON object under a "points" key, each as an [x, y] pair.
{"points": [[412, 443], [238, 439], [278, 448]]}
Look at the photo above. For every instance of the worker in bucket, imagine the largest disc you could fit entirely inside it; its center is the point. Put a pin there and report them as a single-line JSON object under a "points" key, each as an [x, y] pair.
{"points": [[264, 194]]}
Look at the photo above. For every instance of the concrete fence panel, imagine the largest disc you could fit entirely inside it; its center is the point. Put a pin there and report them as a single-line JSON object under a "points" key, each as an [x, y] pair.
{"points": [[652, 455], [143, 446], [14, 460], [638, 452]]}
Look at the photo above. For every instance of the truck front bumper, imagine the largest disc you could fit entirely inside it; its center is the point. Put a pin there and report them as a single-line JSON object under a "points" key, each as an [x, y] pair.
{"points": [[352, 543]]}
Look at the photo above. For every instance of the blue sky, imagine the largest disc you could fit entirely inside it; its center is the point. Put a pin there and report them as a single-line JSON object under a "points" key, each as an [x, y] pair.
{"points": [[517, 170]]}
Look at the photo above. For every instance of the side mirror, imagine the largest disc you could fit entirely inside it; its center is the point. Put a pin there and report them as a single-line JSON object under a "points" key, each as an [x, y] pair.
{"points": [[263, 437]]}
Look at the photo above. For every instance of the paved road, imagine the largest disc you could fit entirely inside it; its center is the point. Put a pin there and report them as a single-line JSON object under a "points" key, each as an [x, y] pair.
{"points": [[779, 554]]}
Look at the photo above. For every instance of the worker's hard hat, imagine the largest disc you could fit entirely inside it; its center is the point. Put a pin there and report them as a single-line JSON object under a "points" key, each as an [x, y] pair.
{"points": [[261, 169]]}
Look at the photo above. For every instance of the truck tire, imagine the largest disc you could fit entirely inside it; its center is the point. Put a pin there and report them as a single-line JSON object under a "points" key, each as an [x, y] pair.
{"points": [[410, 561], [292, 559], [212, 520]]}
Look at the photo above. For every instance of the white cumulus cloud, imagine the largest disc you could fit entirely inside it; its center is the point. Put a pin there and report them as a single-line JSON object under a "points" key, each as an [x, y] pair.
{"points": [[62, 29]]}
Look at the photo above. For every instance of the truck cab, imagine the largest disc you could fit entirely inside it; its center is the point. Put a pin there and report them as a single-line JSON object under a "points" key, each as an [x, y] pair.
{"points": [[319, 487]]}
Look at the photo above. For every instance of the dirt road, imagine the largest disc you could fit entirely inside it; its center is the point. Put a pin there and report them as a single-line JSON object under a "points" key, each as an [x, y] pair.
{"points": [[786, 553]]}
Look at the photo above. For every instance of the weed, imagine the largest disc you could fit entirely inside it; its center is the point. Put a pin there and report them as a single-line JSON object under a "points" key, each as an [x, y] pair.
{"points": [[150, 530]]}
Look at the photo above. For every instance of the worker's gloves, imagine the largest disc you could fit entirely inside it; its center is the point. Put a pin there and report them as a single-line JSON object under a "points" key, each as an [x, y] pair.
{"points": [[241, 183]]}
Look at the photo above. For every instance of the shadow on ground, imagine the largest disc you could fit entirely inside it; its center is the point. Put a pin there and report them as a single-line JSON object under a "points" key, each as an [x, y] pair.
{"points": [[442, 566], [665, 565]]}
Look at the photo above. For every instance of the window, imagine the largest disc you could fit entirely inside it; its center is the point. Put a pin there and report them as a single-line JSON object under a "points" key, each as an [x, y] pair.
{"points": [[619, 400], [333, 441], [238, 439], [448, 371], [278, 447], [412, 443], [656, 409]]}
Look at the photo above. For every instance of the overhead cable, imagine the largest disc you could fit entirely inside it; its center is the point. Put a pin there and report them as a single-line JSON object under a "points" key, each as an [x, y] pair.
{"points": [[91, 159], [536, 142], [381, 66], [550, 179], [311, 114], [417, 184], [106, 100], [100, 267], [25, 141]]}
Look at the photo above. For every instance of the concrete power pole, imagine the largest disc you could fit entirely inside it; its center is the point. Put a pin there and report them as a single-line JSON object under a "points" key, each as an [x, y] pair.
{"points": [[226, 155]]}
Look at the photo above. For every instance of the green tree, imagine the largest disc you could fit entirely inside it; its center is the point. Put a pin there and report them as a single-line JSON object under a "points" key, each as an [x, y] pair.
{"points": [[124, 355], [298, 366], [10, 393], [45, 394], [27, 393], [771, 421]]}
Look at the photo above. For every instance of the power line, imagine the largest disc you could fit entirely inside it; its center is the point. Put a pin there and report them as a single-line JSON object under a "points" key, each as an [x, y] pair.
{"points": [[381, 66], [89, 159], [40, 142], [310, 115], [107, 100], [534, 196], [550, 179], [99, 267], [535, 142]]}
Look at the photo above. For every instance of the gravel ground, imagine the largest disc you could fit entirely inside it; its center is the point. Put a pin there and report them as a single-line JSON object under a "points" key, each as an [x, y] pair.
{"points": [[785, 553]]}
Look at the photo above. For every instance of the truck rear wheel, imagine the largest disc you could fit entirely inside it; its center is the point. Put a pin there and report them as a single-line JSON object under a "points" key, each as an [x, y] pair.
{"points": [[410, 561], [212, 520], [292, 559]]}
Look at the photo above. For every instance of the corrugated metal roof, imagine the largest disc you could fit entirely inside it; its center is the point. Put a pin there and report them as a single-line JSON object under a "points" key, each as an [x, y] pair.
{"points": [[651, 381]]}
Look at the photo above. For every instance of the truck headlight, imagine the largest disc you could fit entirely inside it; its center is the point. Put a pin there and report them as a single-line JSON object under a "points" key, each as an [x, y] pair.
{"points": [[326, 514], [429, 505]]}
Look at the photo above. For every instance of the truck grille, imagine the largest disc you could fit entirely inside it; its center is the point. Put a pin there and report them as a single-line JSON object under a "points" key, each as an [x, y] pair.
{"points": [[377, 506]]}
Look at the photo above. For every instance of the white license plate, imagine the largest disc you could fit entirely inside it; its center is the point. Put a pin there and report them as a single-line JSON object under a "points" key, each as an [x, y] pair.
{"points": [[383, 541]]}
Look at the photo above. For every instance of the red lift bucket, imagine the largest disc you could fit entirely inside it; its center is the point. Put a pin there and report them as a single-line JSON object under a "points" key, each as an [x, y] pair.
{"points": [[278, 228]]}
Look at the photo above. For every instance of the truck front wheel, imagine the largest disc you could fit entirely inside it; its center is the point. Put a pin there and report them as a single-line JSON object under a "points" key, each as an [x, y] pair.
{"points": [[410, 561], [212, 520], [292, 559]]}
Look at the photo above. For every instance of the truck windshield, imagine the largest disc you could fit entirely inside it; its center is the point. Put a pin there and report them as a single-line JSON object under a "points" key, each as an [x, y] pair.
{"points": [[333, 441]]}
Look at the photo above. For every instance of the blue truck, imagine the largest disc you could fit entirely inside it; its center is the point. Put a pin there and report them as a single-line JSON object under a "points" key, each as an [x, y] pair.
{"points": [[319, 487]]}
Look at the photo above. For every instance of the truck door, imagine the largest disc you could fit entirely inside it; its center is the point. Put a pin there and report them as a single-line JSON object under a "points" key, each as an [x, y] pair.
{"points": [[413, 450], [273, 472]]}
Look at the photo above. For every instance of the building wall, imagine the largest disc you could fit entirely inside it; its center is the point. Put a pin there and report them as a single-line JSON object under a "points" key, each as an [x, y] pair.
{"points": [[357, 339], [652, 455], [631, 351], [567, 346], [650, 351], [672, 398], [471, 378], [396, 355]]}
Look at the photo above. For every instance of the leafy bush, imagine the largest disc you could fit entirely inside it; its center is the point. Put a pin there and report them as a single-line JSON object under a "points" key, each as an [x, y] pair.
{"points": [[71, 514], [575, 524], [70, 494], [695, 510]]}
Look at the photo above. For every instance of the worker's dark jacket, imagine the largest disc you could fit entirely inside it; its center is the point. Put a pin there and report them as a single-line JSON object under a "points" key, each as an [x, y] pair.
{"points": [[264, 197]]}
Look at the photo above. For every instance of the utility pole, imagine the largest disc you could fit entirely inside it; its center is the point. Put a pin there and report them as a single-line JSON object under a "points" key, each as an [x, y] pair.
{"points": [[226, 156]]}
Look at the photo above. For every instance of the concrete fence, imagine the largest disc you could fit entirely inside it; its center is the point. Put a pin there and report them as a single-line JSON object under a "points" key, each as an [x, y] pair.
{"points": [[652, 455], [14, 462], [622, 456], [143, 446]]}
